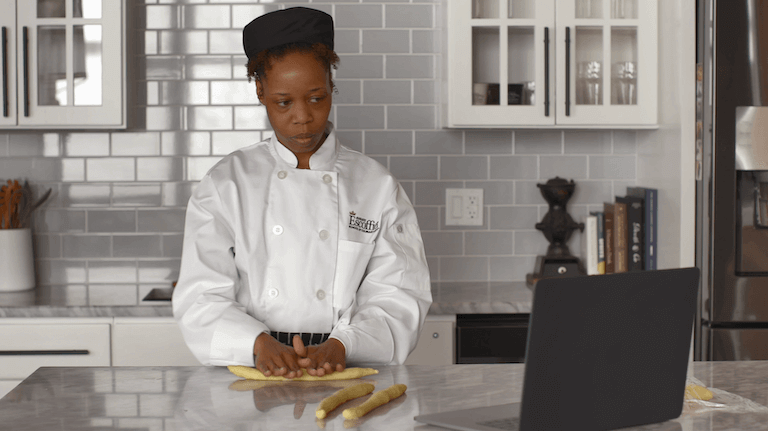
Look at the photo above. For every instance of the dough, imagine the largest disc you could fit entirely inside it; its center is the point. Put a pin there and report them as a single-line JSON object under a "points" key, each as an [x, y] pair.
{"points": [[348, 374]]}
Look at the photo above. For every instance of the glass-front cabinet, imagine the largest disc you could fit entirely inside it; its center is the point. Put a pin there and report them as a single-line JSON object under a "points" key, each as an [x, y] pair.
{"points": [[550, 63], [63, 64]]}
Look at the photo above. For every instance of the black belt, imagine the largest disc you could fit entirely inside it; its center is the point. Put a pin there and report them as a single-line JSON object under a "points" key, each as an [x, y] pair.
{"points": [[308, 338]]}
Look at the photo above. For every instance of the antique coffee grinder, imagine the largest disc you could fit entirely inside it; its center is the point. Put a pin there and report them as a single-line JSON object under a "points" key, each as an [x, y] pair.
{"points": [[557, 226]]}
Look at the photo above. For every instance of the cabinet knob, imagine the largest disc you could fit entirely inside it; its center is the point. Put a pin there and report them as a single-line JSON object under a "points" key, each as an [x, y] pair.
{"points": [[435, 335]]}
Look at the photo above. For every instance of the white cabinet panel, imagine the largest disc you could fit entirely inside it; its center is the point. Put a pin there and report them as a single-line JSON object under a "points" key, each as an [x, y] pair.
{"points": [[552, 64], [63, 64], [25, 348], [138, 342], [436, 343]]}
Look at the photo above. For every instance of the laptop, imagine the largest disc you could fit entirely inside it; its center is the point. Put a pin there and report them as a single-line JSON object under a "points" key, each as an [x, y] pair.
{"points": [[603, 352]]}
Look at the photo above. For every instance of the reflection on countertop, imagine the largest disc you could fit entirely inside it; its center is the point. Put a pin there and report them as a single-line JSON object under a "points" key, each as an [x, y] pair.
{"points": [[72, 301], [192, 398]]}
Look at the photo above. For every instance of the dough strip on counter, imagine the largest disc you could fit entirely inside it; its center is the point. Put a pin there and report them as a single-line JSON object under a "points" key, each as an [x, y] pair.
{"points": [[378, 399], [342, 396], [348, 374]]}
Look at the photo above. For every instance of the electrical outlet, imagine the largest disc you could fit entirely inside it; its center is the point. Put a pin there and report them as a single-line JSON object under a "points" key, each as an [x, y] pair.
{"points": [[463, 207]]}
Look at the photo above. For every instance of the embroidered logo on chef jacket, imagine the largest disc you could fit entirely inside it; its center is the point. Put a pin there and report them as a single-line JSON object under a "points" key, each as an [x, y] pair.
{"points": [[361, 224]]}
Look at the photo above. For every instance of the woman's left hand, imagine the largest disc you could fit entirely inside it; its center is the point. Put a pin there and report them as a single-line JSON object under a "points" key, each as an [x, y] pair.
{"points": [[322, 359]]}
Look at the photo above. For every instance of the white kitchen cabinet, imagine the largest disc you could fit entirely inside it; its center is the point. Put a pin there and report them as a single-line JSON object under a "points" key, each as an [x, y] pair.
{"points": [[28, 344], [436, 344], [63, 64], [149, 342], [563, 63]]}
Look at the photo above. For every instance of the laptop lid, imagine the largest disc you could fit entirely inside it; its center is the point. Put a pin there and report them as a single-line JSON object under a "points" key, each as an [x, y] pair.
{"points": [[608, 351], [603, 352]]}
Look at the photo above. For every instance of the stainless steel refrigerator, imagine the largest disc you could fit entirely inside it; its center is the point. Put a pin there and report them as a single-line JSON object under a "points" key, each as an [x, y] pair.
{"points": [[732, 195]]}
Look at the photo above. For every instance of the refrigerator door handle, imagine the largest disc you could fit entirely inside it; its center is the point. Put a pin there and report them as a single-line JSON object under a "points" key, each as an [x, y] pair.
{"points": [[761, 206]]}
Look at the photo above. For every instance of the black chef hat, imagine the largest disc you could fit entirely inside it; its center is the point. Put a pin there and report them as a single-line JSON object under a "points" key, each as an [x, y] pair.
{"points": [[296, 24]]}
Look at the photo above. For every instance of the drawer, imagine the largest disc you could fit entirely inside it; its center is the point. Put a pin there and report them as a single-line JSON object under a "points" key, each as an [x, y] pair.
{"points": [[25, 348], [435, 346], [149, 344]]}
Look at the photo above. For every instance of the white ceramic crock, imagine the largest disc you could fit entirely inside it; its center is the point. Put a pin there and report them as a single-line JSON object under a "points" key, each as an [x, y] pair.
{"points": [[17, 265]]}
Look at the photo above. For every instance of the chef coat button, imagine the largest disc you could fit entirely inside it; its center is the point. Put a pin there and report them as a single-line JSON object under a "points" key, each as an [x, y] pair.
{"points": [[321, 294], [272, 293], [327, 178], [399, 228], [282, 174], [277, 229], [324, 234]]}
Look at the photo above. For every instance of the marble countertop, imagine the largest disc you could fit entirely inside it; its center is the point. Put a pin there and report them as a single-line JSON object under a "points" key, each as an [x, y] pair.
{"points": [[448, 298], [181, 398]]}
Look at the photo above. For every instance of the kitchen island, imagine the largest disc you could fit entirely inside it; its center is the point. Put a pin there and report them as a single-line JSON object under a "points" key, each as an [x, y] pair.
{"points": [[196, 398]]}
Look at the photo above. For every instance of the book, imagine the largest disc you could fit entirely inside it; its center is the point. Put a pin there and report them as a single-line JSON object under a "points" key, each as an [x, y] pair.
{"points": [[650, 247], [635, 234], [600, 241], [608, 215], [589, 244], [619, 237]]}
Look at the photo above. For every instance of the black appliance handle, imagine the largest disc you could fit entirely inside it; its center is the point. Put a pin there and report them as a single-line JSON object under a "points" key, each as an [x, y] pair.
{"points": [[25, 42], [546, 71], [758, 215], [567, 71], [5, 71], [42, 352]]}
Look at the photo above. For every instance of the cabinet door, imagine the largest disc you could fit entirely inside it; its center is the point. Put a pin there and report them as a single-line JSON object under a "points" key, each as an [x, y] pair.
{"points": [[153, 343], [500, 56], [606, 61], [70, 63], [435, 346], [7, 52]]}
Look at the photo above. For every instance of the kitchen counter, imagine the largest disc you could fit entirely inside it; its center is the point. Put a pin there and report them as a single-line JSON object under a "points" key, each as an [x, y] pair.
{"points": [[201, 398], [448, 298]]}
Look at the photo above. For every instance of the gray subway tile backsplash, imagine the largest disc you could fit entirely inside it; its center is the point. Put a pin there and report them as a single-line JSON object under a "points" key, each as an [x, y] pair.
{"points": [[386, 41], [113, 228], [384, 92], [409, 16]]}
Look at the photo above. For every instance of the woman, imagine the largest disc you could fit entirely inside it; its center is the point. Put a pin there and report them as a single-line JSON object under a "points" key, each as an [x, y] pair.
{"points": [[299, 252]]}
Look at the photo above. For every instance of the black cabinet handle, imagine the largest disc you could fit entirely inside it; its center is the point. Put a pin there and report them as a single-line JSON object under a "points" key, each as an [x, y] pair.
{"points": [[26, 71], [5, 71], [43, 352], [567, 71], [546, 71]]}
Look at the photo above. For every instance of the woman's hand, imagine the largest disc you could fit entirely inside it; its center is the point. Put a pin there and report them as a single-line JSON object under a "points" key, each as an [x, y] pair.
{"points": [[322, 359], [273, 358]]}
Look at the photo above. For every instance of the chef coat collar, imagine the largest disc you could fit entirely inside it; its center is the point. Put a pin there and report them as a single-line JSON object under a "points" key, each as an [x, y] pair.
{"points": [[322, 160]]}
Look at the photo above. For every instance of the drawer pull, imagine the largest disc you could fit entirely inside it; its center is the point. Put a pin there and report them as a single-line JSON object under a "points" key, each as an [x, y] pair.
{"points": [[436, 335], [43, 352]]}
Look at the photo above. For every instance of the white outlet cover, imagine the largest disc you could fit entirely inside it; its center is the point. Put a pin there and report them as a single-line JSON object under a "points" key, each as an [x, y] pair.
{"points": [[463, 207]]}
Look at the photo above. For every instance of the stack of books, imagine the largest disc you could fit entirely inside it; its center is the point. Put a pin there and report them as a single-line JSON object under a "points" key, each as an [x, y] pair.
{"points": [[624, 236]]}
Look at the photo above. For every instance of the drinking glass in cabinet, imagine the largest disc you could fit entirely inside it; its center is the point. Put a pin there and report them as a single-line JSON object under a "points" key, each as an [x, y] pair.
{"points": [[587, 9], [485, 8], [624, 9], [521, 9], [624, 83], [589, 78]]}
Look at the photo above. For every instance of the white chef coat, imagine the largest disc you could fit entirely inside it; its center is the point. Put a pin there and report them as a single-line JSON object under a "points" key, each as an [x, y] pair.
{"points": [[331, 249]]}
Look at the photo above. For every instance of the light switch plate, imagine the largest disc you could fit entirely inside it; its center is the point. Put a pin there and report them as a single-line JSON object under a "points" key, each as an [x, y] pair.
{"points": [[463, 207]]}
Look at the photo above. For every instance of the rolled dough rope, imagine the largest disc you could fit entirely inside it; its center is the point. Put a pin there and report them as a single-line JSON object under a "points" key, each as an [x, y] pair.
{"points": [[341, 397], [348, 374], [379, 398], [696, 392]]}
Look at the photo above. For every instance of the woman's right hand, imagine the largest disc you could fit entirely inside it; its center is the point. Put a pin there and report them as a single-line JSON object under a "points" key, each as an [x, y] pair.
{"points": [[273, 358]]}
